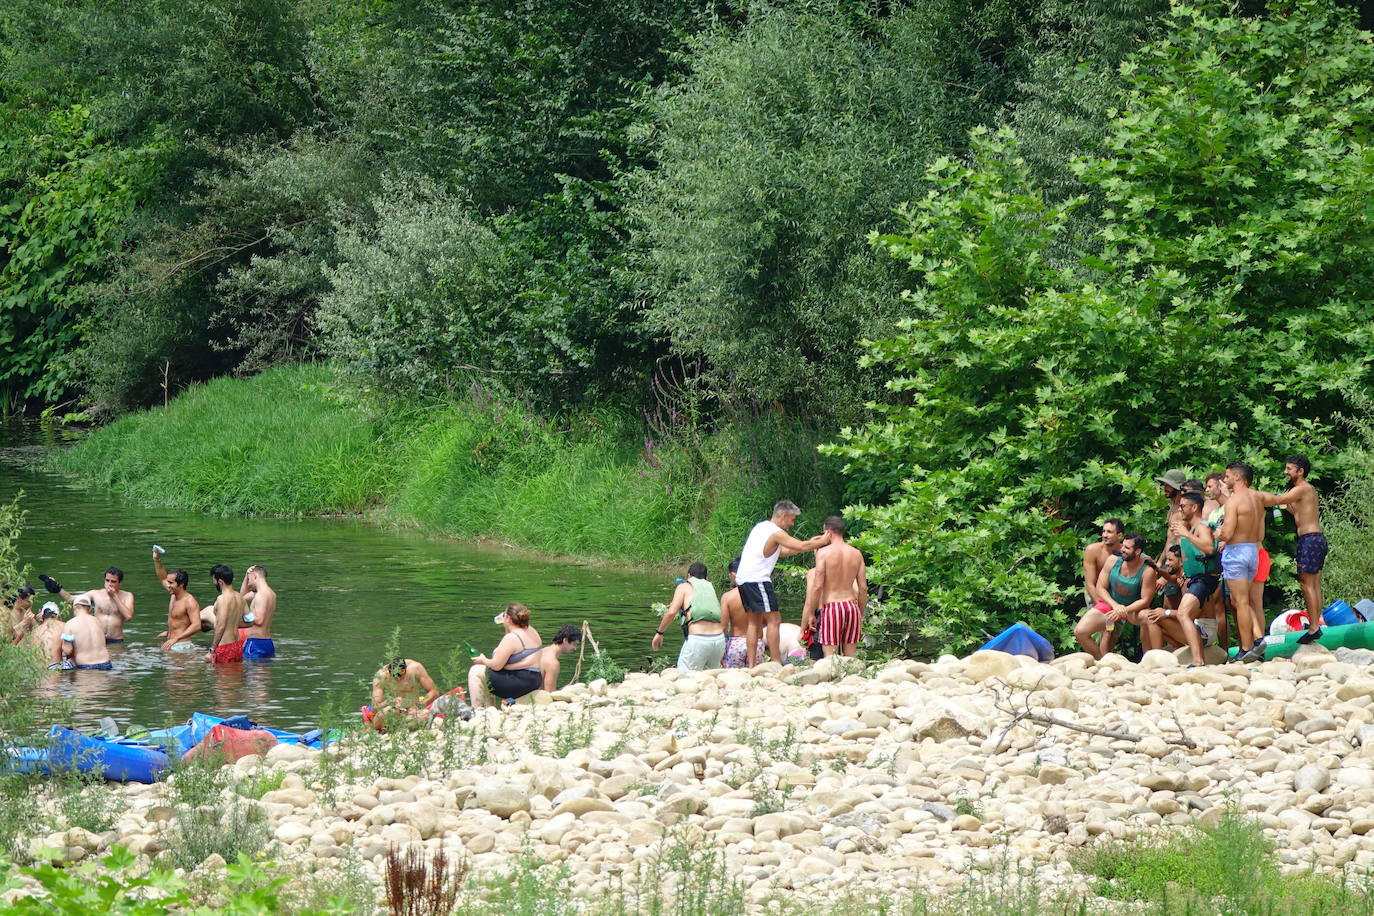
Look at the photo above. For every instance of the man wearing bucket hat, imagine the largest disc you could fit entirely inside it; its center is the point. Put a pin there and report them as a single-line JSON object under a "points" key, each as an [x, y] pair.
{"points": [[1172, 482]]}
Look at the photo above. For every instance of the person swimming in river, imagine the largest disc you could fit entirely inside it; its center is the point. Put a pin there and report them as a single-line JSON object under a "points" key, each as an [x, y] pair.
{"points": [[513, 668], [183, 610]]}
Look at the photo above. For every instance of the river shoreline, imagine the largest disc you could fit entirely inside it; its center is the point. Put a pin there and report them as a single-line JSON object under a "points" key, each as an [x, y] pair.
{"points": [[896, 779]]}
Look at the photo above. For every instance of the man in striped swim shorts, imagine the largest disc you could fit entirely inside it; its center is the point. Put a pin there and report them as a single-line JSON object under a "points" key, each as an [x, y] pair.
{"points": [[839, 587]]}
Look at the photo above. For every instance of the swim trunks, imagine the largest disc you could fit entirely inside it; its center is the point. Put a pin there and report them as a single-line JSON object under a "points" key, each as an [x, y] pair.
{"points": [[113, 642], [1240, 561], [1262, 568], [227, 654], [98, 666], [1201, 587], [259, 648], [1312, 548], [65, 665], [1172, 588], [700, 652], [841, 623], [737, 651], [511, 684], [758, 597]]}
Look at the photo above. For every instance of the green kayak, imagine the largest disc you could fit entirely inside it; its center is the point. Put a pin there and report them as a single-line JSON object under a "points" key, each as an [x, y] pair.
{"points": [[1350, 636]]}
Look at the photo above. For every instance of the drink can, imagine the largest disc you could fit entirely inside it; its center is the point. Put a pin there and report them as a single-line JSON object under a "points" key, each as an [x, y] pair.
{"points": [[158, 550]]}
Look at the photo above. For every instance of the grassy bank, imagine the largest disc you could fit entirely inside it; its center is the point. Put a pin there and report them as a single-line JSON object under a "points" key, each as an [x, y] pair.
{"points": [[298, 441]]}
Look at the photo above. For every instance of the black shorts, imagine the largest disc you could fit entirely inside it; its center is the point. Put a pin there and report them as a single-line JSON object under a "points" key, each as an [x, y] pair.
{"points": [[511, 684], [1201, 587], [758, 597]]}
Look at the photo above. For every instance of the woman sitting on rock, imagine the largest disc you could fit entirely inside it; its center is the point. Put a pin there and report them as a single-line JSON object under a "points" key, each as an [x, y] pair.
{"points": [[513, 668]]}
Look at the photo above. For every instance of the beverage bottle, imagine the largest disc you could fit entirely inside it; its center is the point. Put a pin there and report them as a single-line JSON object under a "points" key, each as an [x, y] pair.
{"points": [[472, 650]]}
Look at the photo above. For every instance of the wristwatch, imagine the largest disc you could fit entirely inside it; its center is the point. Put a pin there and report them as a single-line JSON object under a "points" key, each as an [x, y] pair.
{"points": [[659, 632], [1168, 612]]}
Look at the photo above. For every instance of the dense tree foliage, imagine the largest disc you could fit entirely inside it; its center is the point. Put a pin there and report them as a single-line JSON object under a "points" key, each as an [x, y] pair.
{"points": [[1085, 269], [1216, 314]]}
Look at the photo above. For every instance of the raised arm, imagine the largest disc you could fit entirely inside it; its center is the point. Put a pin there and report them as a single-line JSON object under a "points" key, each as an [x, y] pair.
{"points": [[787, 546]]}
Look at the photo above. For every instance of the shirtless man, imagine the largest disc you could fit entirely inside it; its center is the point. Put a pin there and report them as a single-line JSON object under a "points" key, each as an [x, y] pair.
{"points": [[230, 607], [1301, 500], [47, 636], [567, 639], [1128, 587], [1172, 482], [183, 610], [767, 542], [83, 638], [259, 618], [1200, 571], [839, 587], [114, 606], [1242, 532], [1098, 554], [401, 690]]}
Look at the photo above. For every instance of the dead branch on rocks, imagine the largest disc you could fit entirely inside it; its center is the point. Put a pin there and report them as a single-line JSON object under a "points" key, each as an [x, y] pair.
{"points": [[1006, 703]]}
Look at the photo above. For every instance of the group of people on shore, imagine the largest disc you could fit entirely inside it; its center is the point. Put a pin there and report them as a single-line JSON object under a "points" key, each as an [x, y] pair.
{"points": [[240, 621], [1212, 561], [737, 629], [734, 630]]}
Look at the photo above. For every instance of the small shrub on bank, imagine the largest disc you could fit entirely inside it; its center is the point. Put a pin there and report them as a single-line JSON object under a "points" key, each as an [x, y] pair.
{"points": [[1227, 867]]}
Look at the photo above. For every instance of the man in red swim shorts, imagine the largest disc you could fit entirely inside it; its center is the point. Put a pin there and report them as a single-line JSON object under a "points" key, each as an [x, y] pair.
{"points": [[839, 587], [230, 607]]}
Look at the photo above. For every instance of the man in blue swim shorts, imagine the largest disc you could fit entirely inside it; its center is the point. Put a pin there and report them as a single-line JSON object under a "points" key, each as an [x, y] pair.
{"points": [[1301, 500], [262, 600], [1241, 534], [83, 638]]}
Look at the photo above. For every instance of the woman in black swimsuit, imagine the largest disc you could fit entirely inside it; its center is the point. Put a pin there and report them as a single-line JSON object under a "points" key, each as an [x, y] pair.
{"points": [[513, 668]]}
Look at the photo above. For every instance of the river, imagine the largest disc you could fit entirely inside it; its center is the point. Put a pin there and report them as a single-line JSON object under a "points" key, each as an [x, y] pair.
{"points": [[344, 586]]}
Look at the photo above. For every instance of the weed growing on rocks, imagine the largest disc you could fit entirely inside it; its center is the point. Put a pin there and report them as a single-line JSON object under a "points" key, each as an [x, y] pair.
{"points": [[1226, 867], [208, 821]]}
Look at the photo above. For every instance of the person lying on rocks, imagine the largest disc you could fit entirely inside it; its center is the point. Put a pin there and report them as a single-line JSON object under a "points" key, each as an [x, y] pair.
{"points": [[1128, 586], [401, 692]]}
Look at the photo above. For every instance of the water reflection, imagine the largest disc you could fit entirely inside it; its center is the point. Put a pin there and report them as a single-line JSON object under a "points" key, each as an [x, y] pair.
{"points": [[343, 587]]}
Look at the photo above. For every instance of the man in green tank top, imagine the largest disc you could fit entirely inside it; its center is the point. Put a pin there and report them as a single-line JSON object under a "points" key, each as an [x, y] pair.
{"points": [[1127, 587], [695, 598]]}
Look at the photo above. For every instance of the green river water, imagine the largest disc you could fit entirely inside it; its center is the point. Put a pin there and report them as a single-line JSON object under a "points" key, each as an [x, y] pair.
{"points": [[343, 584]]}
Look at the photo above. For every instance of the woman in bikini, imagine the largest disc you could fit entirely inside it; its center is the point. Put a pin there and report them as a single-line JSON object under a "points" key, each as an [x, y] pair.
{"points": [[513, 668]]}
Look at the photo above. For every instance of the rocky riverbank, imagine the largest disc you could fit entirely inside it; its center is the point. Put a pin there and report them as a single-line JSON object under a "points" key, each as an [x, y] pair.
{"points": [[892, 779]]}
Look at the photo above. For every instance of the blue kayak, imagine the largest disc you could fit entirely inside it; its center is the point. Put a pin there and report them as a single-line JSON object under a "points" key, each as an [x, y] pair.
{"points": [[111, 759]]}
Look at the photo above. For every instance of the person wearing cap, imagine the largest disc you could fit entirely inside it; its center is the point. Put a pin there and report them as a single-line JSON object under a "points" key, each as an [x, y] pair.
{"points": [[83, 638], [1172, 482], [46, 637], [113, 605], [513, 668], [401, 691]]}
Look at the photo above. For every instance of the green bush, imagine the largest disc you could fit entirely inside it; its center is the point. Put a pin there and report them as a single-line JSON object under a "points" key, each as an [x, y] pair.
{"points": [[1031, 396]]}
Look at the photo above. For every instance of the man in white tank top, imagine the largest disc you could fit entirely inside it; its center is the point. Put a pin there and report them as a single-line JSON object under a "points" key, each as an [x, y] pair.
{"points": [[767, 542]]}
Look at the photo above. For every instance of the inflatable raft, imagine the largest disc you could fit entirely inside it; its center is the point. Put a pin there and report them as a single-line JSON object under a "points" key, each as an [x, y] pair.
{"points": [[1350, 636], [118, 759]]}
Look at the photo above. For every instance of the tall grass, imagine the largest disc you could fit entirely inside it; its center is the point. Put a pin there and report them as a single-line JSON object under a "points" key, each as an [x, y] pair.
{"points": [[297, 441], [287, 442]]}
